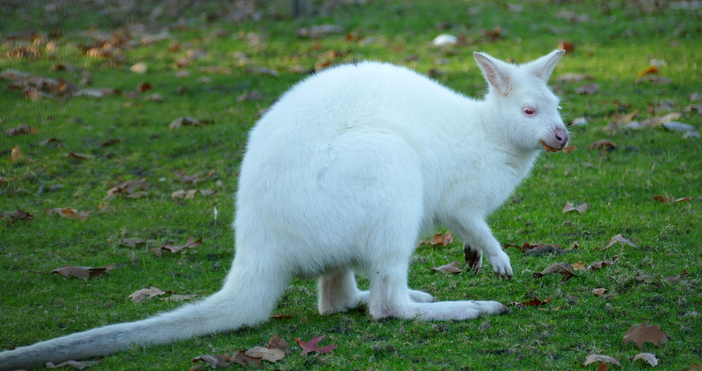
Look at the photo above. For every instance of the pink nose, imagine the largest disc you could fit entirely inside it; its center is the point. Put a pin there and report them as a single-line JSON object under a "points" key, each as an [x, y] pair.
{"points": [[561, 137]]}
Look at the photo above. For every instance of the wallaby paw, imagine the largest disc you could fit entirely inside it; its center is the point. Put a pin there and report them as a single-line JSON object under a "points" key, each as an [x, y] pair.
{"points": [[420, 296], [500, 265], [474, 258], [493, 307]]}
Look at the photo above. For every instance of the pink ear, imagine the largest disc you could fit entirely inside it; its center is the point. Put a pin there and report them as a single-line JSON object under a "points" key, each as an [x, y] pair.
{"points": [[543, 67], [497, 77]]}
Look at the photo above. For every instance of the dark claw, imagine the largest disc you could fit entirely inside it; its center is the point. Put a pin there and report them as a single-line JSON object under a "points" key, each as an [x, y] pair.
{"points": [[472, 257]]}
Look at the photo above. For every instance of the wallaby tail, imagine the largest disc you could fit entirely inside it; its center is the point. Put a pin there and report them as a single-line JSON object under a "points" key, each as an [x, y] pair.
{"points": [[242, 301]]}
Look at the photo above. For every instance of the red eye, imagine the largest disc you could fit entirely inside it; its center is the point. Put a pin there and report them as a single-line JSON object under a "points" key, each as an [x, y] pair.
{"points": [[528, 111]]}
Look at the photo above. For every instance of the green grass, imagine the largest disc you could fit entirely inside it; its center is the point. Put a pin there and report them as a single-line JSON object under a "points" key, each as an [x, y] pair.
{"points": [[612, 46]]}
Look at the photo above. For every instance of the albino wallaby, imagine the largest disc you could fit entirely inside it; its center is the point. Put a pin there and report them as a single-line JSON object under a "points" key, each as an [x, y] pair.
{"points": [[345, 173]]}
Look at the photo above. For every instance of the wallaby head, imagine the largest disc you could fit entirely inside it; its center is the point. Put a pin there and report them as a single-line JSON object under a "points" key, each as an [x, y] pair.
{"points": [[525, 109]]}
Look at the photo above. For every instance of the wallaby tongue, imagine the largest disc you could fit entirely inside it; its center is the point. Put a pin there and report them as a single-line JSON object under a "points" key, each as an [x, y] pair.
{"points": [[566, 149]]}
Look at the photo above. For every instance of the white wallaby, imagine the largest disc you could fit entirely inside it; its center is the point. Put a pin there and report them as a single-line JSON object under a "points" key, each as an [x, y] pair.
{"points": [[345, 173]]}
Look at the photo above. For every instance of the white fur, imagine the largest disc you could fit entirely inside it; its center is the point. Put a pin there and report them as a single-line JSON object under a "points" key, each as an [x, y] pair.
{"points": [[344, 174]]}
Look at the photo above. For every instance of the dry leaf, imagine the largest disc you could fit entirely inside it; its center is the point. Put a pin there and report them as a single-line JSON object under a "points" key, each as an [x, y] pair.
{"points": [[277, 343], [154, 98], [671, 199], [531, 303], [567, 46], [143, 87], [604, 145], [16, 155], [619, 238], [178, 298], [57, 143], [183, 121], [175, 249], [599, 292], [645, 333], [197, 177], [564, 269], [440, 239], [589, 89], [270, 355], [96, 92], [579, 266], [449, 268], [110, 142], [82, 272], [602, 359], [16, 215], [129, 189], [142, 295], [69, 213], [649, 358], [573, 77], [20, 130], [79, 365], [570, 207], [311, 346], [245, 360], [596, 265], [566, 149], [262, 71], [654, 79], [316, 32], [674, 279], [80, 156], [132, 242], [217, 360], [139, 68], [650, 70]]}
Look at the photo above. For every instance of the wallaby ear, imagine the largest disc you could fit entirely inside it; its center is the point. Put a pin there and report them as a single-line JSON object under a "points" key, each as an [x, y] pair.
{"points": [[543, 67], [494, 71]]}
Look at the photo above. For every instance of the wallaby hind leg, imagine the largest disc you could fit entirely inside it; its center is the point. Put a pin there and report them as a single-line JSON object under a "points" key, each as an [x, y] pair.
{"points": [[390, 297], [339, 293]]}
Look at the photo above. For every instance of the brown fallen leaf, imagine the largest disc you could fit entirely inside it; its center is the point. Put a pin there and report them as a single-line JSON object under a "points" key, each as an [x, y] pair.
{"points": [[132, 242], [567, 46], [82, 272], [262, 71], [695, 367], [17, 156], [564, 269], [440, 239], [603, 145], [566, 149], [139, 68], [187, 195], [602, 359], [653, 79], [650, 70], [53, 142], [531, 303], [129, 189], [154, 98], [645, 333], [75, 364], [649, 358], [242, 359], [448, 268], [675, 279], [311, 346], [80, 156], [588, 89], [69, 213], [20, 130], [599, 291], [670, 199], [96, 92], [619, 238], [217, 360], [570, 207], [184, 121], [16, 215], [194, 178], [317, 32], [143, 87], [277, 343], [110, 142], [177, 249], [573, 77], [270, 355], [579, 266], [143, 295], [597, 265]]}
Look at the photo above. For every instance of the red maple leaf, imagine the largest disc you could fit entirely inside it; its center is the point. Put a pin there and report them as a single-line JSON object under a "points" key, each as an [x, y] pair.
{"points": [[311, 346]]}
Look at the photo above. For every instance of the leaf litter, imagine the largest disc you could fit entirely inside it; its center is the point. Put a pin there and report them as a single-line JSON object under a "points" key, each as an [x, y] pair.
{"points": [[645, 334]]}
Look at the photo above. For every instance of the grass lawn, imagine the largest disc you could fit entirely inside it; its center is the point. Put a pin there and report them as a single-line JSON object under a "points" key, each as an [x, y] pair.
{"points": [[238, 61]]}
